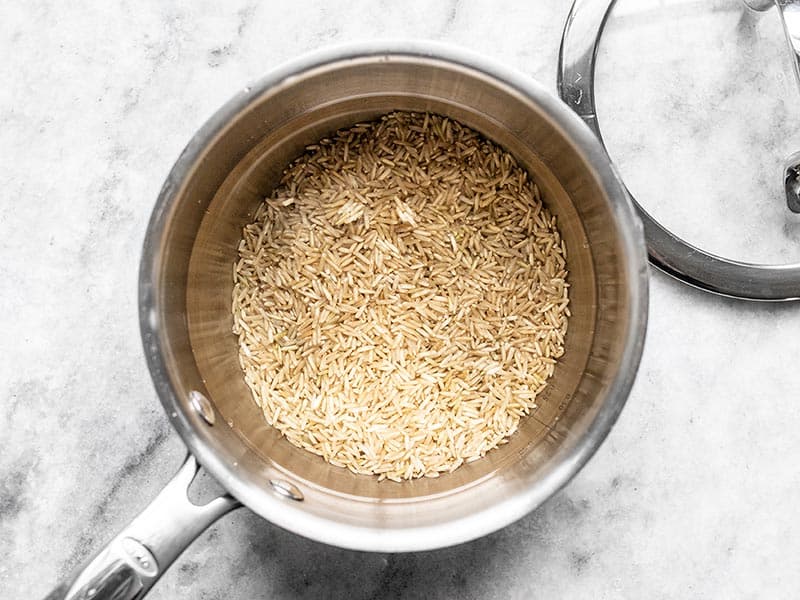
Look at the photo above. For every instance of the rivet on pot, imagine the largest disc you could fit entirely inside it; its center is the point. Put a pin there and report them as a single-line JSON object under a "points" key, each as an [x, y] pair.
{"points": [[143, 560], [286, 489], [202, 406]]}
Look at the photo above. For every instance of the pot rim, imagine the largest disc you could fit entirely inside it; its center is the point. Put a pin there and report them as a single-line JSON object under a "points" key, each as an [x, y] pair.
{"points": [[291, 516]]}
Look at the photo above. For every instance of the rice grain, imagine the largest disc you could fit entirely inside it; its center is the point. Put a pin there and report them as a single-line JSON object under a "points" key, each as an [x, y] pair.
{"points": [[401, 299]]}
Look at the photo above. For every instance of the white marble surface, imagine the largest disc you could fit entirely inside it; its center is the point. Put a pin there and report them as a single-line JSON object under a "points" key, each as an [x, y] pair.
{"points": [[693, 495]]}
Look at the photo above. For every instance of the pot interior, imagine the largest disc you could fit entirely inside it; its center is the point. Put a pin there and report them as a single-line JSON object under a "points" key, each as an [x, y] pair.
{"points": [[239, 161]]}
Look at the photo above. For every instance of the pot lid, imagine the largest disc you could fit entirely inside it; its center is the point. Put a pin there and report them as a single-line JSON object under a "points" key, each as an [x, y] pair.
{"points": [[666, 250]]}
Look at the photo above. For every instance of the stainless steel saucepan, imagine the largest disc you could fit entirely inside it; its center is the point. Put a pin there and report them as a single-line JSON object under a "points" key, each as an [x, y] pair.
{"points": [[227, 169]]}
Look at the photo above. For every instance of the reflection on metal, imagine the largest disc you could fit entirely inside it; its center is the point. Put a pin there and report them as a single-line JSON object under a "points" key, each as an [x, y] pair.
{"points": [[792, 182], [286, 489], [202, 406]]}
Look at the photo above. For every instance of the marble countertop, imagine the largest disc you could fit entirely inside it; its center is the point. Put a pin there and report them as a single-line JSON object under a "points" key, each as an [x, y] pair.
{"points": [[694, 493]]}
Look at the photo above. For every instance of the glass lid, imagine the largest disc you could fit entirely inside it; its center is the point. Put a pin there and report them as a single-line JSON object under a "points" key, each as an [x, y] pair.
{"points": [[705, 132]]}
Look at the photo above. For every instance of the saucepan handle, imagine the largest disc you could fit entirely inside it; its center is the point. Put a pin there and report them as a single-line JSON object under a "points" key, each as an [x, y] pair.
{"points": [[133, 561]]}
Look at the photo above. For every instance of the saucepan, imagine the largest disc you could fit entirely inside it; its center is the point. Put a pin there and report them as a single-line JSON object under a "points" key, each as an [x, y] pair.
{"points": [[226, 170]]}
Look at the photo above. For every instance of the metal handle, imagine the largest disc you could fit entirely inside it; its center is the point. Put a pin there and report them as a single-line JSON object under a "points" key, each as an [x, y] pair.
{"points": [[133, 561]]}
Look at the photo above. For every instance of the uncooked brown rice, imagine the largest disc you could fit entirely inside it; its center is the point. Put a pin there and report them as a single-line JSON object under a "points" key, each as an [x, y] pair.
{"points": [[401, 298]]}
